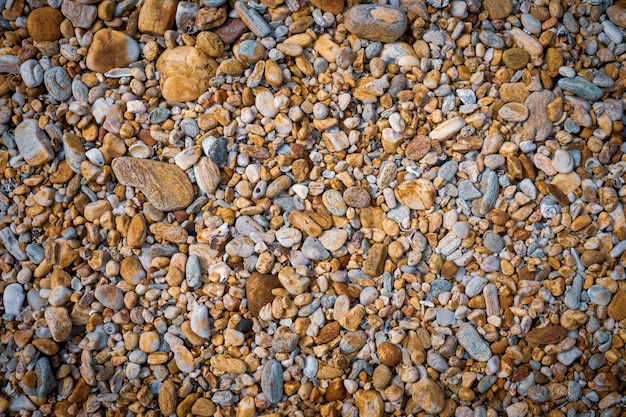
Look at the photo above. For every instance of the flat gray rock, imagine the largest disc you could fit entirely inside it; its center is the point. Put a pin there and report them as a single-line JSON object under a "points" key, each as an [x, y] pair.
{"points": [[473, 343]]}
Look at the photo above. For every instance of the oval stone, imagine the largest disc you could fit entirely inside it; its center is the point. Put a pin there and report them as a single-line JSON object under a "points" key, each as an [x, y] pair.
{"points": [[376, 22]]}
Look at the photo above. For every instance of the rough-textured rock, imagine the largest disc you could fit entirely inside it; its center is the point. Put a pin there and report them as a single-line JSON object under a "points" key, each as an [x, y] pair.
{"points": [[157, 16], [259, 291], [429, 396], [416, 194], [617, 306], [33, 143], [185, 73], [546, 335], [165, 185]]}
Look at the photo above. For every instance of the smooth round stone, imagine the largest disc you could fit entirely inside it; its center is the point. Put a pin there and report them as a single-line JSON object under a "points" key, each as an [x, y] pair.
{"points": [[493, 241], [44, 24], [157, 16], [376, 22], [462, 229], [599, 295], [59, 296], [149, 342], [199, 320], [563, 161], [32, 73], [498, 9], [368, 295], [531, 23], [250, 51], [356, 197], [334, 202], [513, 112], [429, 396], [58, 83], [110, 296], [111, 49], [288, 237], [458, 9]]}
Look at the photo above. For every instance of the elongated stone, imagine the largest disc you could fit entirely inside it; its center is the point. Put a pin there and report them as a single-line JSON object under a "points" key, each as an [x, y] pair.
{"points": [[447, 129], [253, 20], [376, 22], [473, 343], [272, 381], [581, 87]]}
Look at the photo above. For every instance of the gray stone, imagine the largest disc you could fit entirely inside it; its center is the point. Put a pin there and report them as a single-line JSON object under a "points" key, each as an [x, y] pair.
{"points": [[253, 20], [81, 15], [475, 286], [272, 381], [538, 393], [493, 241], [581, 87], [599, 295], [467, 191], [574, 390], [568, 357], [437, 287], [473, 343], [448, 170], [193, 271], [110, 296], [58, 83], [13, 298], [490, 188], [313, 249], [486, 383], [436, 361], [445, 317], [596, 361], [572, 295], [491, 39], [45, 377], [33, 143]]}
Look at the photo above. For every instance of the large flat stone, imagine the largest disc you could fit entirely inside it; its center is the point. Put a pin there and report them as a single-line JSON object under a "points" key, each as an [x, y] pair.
{"points": [[165, 185]]}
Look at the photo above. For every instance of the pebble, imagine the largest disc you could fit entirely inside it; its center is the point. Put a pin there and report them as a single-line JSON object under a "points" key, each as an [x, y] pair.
{"points": [[13, 298], [111, 49], [428, 396], [380, 23], [33, 143], [416, 194], [369, 403], [272, 381], [185, 73], [165, 185], [155, 17], [59, 323], [581, 87], [473, 343]]}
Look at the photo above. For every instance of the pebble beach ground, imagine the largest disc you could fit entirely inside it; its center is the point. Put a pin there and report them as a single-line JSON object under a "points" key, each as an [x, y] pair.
{"points": [[312, 208]]}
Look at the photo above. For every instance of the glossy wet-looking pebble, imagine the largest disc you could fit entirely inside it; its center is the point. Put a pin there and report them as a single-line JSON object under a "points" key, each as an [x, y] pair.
{"points": [[312, 208]]}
